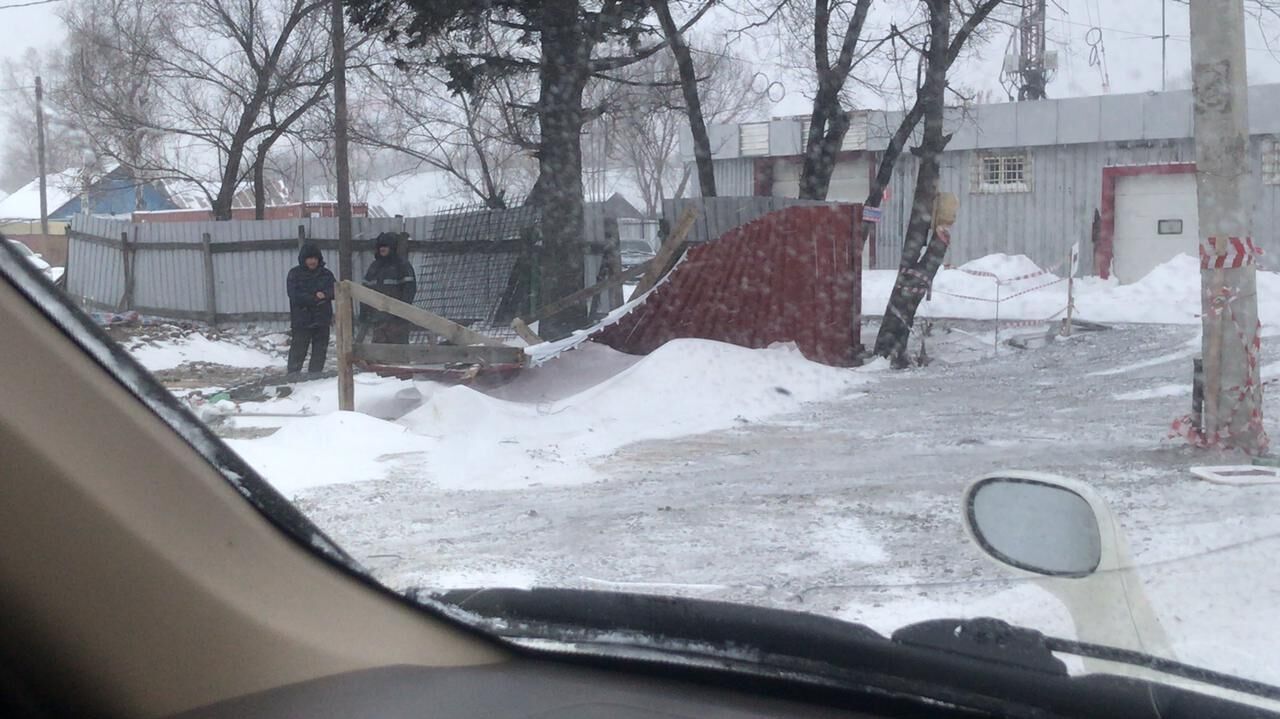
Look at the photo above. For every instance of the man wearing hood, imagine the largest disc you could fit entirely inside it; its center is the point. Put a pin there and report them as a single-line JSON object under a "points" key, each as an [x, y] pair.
{"points": [[311, 292], [393, 276]]}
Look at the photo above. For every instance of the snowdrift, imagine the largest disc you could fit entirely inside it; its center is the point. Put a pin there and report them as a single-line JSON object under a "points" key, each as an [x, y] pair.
{"points": [[1169, 294]]}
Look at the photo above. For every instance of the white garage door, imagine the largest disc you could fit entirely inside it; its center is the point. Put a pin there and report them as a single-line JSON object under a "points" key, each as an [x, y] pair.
{"points": [[1156, 220]]}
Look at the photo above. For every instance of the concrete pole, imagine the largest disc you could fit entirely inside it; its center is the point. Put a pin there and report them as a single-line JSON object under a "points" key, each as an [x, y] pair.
{"points": [[1233, 392], [40, 160]]}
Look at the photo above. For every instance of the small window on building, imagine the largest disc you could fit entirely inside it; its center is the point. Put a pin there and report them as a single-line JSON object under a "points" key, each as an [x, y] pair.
{"points": [[1271, 161], [1006, 172], [1169, 227], [753, 139]]}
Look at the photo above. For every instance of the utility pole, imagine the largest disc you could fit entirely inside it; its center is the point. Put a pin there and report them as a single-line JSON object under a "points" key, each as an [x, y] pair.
{"points": [[40, 162], [343, 170], [1164, 42], [1232, 415]]}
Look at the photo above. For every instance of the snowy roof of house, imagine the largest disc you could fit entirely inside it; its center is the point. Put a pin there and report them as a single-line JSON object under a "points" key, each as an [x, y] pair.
{"points": [[1134, 117], [24, 203], [191, 195]]}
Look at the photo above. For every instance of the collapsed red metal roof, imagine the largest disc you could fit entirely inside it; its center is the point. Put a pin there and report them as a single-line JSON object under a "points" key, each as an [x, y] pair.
{"points": [[794, 275]]}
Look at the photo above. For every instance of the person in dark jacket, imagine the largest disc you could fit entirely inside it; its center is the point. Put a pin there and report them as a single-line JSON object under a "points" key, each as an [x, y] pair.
{"points": [[393, 276], [311, 292]]}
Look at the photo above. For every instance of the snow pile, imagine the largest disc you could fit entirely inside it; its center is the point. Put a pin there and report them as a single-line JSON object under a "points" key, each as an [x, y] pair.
{"points": [[334, 448], [460, 438], [1169, 294], [195, 347]]}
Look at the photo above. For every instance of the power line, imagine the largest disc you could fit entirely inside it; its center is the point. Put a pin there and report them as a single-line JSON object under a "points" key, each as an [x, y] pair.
{"points": [[27, 4]]}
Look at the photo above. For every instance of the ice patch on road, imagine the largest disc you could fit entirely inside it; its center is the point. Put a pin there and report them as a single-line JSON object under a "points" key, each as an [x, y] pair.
{"points": [[847, 541], [1168, 390], [168, 354]]}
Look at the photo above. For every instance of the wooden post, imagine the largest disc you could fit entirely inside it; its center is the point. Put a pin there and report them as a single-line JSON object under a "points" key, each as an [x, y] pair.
{"points": [[1071, 278], [210, 288], [667, 253], [346, 379], [302, 236], [126, 261]]}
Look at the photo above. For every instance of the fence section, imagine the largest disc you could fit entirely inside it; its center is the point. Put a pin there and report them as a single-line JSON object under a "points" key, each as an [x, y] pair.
{"points": [[718, 215]]}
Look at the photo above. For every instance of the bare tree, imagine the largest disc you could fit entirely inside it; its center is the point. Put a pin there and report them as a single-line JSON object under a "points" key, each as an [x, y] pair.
{"points": [[197, 88], [482, 140], [648, 119], [18, 153], [923, 249]]}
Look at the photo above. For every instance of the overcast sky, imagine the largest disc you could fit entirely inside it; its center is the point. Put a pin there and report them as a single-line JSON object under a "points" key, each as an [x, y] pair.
{"points": [[1132, 57]]}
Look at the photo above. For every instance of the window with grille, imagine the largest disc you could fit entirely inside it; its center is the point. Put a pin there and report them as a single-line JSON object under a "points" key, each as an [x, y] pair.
{"points": [[1271, 161], [1010, 172]]}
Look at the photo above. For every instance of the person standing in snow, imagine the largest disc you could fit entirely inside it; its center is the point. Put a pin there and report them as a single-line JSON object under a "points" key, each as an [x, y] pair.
{"points": [[392, 276], [311, 292]]}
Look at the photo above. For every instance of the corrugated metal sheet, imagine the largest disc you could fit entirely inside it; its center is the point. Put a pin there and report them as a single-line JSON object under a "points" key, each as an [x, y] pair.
{"points": [[1066, 188], [786, 277], [719, 215], [753, 139]]}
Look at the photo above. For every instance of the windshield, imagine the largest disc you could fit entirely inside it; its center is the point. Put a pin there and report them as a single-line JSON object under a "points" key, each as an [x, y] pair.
{"points": [[720, 300]]}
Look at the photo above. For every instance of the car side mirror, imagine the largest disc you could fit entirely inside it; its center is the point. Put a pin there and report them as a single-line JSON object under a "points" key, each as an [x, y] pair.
{"points": [[1062, 533], [1034, 525]]}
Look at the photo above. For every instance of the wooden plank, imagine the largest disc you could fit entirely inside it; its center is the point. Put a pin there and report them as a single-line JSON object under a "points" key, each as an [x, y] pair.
{"points": [[525, 333], [587, 293], [210, 289], [346, 379], [667, 253], [422, 354], [127, 258], [448, 329]]}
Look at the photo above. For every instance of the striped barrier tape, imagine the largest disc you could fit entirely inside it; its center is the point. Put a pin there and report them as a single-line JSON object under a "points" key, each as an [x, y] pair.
{"points": [[1008, 280], [1238, 252]]}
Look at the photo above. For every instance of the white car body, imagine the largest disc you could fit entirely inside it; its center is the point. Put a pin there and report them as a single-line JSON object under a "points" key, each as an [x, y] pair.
{"points": [[37, 261]]}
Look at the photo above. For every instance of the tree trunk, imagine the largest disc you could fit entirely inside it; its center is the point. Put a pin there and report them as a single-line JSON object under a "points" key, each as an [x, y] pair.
{"points": [[692, 101], [827, 127], [558, 191], [260, 184], [922, 248]]}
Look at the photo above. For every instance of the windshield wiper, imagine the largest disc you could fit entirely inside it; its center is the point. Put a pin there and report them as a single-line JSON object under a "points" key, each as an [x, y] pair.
{"points": [[944, 659]]}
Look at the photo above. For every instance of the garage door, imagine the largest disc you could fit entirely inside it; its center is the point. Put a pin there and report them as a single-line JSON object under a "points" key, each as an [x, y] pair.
{"points": [[1156, 220]]}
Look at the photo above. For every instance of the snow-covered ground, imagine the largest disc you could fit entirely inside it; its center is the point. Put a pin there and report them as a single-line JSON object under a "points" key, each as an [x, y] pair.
{"points": [[460, 438], [756, 476], [172, 352], [1170, 294]]}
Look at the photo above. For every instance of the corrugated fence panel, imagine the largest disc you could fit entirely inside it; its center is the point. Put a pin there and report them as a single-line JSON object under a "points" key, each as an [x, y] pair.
{"points": [[718, 215]]}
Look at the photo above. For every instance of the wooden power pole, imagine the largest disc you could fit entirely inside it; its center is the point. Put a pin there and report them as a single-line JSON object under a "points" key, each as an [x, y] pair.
{"points": [[1232, 415], [343, 170], [40, 161]]}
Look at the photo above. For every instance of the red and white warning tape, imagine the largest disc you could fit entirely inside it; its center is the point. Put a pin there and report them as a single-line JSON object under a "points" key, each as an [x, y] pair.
{"points": [[1239, 252], [1186, 427]]}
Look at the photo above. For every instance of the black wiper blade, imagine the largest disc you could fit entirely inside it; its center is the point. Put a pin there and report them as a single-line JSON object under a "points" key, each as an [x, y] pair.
{"points": [[978, 663]]}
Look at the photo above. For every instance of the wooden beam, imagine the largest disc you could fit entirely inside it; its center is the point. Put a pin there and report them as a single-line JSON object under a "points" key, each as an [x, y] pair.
{"points": [[667, 253], [210, 286], [448, 329], [421, 354], [587, 293], [525, 333], [346, 378]]}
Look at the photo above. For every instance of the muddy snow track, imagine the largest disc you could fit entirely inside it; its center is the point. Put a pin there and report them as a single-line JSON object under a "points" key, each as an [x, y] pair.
{"points": [[851, 508]]}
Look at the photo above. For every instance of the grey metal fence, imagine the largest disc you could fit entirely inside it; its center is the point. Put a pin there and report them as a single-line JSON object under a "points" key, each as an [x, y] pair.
{"points": [[718, 215], [234, 271]]}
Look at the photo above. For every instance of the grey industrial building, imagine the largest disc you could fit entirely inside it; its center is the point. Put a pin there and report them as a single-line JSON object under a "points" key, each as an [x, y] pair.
{"points": [[1030, 176]]}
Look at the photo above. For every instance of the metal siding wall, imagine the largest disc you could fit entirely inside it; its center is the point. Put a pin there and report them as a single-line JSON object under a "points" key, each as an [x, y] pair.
{"points": [[718, 215], [1041, 224]]}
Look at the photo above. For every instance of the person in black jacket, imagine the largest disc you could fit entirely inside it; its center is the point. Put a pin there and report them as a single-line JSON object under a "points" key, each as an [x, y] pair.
{"points": [[311, 288], [393, 276]]}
